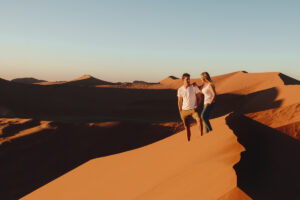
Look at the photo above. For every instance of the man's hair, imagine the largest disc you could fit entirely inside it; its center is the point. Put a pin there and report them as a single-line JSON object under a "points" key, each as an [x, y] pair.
{"points": [[185, 75]]}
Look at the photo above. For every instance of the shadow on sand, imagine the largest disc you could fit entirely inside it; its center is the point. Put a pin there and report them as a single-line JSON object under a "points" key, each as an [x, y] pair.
{"points": [[254, 102], [30, 162], [269, 168], [288, 80], [50, 102], [33, 161]]}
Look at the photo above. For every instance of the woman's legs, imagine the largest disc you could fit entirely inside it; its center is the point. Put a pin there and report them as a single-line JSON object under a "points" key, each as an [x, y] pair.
{"points": [[205, 117]]}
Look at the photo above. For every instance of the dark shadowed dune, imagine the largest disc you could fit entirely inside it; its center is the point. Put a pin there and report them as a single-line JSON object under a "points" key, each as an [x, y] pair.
{"points": [[269, 168], [56, 101], [27, 80], [30, 162], [292, 129], [4, 82], [13, 129], [85, 122], [288, 80]]}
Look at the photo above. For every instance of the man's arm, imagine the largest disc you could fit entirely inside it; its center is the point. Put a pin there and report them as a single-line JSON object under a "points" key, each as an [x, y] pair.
{"points": [[199, 98], [180, 100]]}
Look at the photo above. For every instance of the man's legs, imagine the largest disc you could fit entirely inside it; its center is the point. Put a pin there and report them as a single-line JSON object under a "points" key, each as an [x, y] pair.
{"points": [[199, 122], [188, 131], [184, 116]]}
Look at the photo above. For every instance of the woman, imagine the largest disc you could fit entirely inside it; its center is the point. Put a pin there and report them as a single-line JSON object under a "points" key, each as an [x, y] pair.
{"points": [[209, 92]]}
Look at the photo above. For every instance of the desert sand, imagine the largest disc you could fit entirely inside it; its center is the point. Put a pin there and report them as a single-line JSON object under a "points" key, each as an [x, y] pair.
{"points": [[93, 139]]}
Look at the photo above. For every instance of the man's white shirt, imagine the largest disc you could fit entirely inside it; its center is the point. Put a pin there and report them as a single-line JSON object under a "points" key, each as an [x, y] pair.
{"points": [[189, 97]]}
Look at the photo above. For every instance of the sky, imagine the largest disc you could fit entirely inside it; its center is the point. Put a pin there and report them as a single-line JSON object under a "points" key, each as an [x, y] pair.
{"points": [[127, 40]]}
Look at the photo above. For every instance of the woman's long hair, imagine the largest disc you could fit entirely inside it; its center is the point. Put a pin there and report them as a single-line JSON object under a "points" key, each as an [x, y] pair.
{"points": [[207, 77]]}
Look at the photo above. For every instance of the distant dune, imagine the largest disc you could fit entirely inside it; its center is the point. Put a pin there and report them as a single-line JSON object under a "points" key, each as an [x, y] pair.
{"points": [[51, 83], [4, 82], [168, 80], [87, 80], [92, 139], [27, 80]]}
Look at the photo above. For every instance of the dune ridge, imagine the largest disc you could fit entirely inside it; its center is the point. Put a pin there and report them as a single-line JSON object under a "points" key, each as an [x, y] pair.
{"points": [[152, 172], [136, 130], [28, 80]]}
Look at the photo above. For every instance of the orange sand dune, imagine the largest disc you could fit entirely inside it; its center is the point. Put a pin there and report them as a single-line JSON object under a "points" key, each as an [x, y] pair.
{"points": [[47, 150], [238, 82], [87, 80], [269, 168], [284, 108], [51, 83], [245, 83], [174, 83], [21, 128], [235, 194], [168, 80], [169, 169], [255, 108]]}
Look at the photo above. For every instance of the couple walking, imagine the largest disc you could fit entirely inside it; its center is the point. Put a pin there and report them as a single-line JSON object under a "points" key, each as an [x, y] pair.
{"points": [[190, 100]]}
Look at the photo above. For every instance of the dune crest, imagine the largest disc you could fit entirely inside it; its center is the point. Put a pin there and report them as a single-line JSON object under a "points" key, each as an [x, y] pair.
{"points": [[169, 169], [87, 80], [128, 130], [28, 80]]}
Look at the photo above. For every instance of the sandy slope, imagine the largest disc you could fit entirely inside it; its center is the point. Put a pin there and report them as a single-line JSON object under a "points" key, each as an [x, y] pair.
{"points": [[14, 128], [245, 83], [28, 80], [235, 194], [169, 169], [236, 82], [285, 116], [85, 80]]}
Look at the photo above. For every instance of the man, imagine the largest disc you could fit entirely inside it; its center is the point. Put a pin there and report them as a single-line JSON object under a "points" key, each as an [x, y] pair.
{"points": [[189, 99]]}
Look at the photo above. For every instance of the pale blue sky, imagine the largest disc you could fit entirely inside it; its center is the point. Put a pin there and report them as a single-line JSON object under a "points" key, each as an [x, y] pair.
{"points": [[126, 40]]}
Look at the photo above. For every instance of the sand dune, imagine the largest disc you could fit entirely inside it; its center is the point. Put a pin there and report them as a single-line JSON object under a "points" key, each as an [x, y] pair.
{"points": [[4, 82], [269, 168], [154, 171], [238, 82], [87, 80], [284, 110], [50, 130], [48, 150], [28, 80], [245, 83], [13, 128], [51, 83], [168, 80], [235, 194]]}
